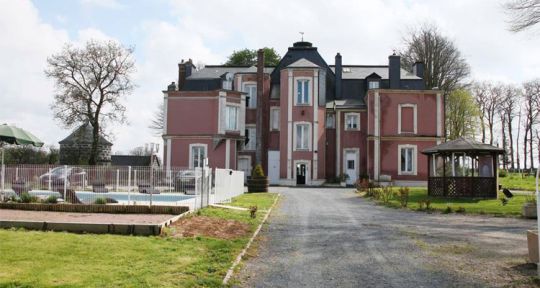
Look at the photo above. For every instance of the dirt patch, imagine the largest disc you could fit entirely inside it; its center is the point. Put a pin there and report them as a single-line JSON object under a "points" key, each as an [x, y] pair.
{"points": [[209, 227]]}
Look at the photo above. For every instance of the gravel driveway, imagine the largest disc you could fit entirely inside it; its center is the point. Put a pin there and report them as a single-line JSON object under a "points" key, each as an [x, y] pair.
{"points": [[319, 237]]}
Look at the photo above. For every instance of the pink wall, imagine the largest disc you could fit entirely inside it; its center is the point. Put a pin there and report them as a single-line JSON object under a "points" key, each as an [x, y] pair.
{"points": [[389, 159], [184, 115], [354, 139], [426, 104]]}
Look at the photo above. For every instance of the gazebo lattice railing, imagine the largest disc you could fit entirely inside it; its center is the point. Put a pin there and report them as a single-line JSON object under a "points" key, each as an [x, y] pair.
{"points": [[463, 168]]}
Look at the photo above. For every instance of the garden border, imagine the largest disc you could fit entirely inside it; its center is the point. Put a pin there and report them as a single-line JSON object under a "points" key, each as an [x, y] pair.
{"points": [[97, 208]]}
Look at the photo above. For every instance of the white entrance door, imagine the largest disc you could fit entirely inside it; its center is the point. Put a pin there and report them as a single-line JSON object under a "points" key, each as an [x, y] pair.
{"points": [[244, 164], [351, 167], [273, 167]]}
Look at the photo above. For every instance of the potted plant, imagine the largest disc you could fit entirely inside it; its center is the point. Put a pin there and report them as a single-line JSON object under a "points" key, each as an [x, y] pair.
{"points": [[529, 207], [258, 181], [343, 179]]}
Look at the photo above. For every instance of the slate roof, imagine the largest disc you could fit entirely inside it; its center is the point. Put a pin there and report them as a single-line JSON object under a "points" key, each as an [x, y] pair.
{"points": [[216, 71], [346, 103], [463, 145], [362, 71], [83, 135]]}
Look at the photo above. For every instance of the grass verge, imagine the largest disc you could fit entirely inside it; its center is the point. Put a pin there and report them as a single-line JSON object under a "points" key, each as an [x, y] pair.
{"points": [[517, 181], [472, 206], [45, 259]]}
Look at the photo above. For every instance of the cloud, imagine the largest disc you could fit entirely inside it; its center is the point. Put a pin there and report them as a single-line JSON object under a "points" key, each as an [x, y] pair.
{"points": [[109, 4]]}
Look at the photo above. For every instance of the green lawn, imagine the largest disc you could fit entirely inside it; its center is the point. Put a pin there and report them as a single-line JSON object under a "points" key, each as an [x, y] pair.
{"points": [[58, 259], [516, 181], [473, 206]]}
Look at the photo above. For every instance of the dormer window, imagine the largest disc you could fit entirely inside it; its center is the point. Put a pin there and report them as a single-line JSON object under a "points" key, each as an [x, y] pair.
{"points": [[373, 84], [346, 70]]}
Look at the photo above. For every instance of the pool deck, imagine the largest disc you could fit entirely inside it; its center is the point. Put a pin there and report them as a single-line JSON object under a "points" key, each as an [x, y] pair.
{"points": [[134, 224]]}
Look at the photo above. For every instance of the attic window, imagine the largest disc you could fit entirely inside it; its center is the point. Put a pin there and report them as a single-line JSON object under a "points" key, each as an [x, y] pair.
{"points": [[346, 70]]}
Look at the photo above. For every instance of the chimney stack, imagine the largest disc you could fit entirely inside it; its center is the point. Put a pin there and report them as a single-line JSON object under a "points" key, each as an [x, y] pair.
{"points": [[394, 71], [339, 75], [184, 70], [261, 109], [418, 69]]}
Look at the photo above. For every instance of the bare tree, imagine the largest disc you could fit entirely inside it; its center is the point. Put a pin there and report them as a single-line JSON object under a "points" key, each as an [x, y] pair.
{"points": [[531, 105], [146, 150], [523, 14], [493, 100], [445, 67], [480, 91], [91, 82], [507, 112], [158, 121]]}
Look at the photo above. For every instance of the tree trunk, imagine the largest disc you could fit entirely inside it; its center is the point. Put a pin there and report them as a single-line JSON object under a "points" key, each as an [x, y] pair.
{"points": [[503, 131], [511, 142], [531, 148], [95, 143], [525, 148]]}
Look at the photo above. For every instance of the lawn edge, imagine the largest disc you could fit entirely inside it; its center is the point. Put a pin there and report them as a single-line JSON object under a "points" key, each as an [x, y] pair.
{"points": [[238, 259]]}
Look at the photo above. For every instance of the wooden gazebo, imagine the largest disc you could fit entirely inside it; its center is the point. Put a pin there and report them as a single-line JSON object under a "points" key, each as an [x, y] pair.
{"points": [[463, 168]]}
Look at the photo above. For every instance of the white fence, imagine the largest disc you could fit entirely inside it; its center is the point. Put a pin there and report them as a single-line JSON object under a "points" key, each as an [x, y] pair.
{"points": [[228, 184], [123, 185]]}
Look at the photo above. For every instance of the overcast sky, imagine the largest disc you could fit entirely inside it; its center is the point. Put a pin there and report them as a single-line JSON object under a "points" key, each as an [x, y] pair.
{"points": [[164, 32]]}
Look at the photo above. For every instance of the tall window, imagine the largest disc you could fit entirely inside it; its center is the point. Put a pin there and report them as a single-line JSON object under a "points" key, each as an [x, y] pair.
{"points": [[302, 92], [407, 165], [198, 154], [407, 118], [352, 121], [231, 115], [251, 98], [302, 136], [274, 119], [251, 139], [330, 120]]}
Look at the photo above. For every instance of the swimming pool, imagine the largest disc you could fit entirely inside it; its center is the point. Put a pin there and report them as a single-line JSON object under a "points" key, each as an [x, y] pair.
{"points": [[121, 197]]}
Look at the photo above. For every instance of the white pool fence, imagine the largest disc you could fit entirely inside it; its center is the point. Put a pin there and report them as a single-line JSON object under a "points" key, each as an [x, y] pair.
{"points": [[125, 185]]}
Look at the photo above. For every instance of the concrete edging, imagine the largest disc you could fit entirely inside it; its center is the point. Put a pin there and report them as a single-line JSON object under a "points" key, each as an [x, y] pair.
{"points": [[230, 272]]}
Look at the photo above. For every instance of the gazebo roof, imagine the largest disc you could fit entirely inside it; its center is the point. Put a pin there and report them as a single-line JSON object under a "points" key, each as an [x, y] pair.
{"points": [[463, 145]]}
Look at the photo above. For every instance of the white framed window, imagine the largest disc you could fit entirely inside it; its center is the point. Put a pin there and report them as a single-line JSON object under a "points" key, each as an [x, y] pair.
{"points": [[352, 121], [407, 119], [197, 154], [373, 84], [302, 137], [302, 92], [274, 118], [407, 159], [231, 117], [251, 97], [330, 120], [250, 143]]}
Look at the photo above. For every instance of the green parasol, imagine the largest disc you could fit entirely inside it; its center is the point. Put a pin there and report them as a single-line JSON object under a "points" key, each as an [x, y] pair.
{"points": [[13, 135]]}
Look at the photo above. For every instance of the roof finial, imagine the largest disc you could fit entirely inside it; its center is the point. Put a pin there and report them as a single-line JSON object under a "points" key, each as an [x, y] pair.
{"points": [[302, 33]]}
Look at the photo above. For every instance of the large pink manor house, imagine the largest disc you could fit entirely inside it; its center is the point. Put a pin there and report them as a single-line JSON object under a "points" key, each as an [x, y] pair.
{"points": [[305, 121]]}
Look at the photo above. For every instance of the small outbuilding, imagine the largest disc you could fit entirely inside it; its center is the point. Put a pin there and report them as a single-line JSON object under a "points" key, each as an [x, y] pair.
{"points": [[75, 149], [463, 168]]}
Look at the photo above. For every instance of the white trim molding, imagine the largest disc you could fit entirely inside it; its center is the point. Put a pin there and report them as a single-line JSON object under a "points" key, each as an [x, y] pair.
{"points": [[377, 140], [310, 90], [309, 136], [345, 123], [289, 124], [205, 146], [415, 118], [414, 159]]}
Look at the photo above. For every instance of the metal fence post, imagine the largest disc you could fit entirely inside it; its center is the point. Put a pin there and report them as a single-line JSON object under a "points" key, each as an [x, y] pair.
{"points": [[129, 184], [50, 188], [16, 173], [117, 179], [65, 181]]}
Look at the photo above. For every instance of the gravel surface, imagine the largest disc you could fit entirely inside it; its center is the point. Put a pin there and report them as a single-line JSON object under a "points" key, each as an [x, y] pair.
{"points": [[320, 237], [66, 217]]}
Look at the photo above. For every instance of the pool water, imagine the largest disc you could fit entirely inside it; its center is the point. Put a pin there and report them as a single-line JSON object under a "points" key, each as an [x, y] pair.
{"points": [[85, 196]]}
